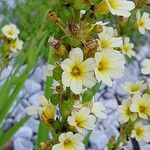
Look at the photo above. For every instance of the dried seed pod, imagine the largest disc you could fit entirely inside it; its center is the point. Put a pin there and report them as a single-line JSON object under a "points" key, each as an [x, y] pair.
{"points": [[54, 42], [74, 28], [90, 44], [52, 16], [58, 46]]}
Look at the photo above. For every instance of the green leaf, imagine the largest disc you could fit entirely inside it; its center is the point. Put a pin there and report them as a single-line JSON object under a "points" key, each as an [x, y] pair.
{"points": [[79, 4], [57, 73], [9, 102], [87, 96], [5, 136], [69, 104], [57, 124], [66, 107], [111, 143], [42, 134], [86, 139], [55, 98], [95, 88]]}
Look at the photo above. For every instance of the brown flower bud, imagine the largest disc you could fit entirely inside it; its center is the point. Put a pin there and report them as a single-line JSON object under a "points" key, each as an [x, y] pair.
{"points": [[54, 42], [90, 44], [74, 28], [53, 18]]}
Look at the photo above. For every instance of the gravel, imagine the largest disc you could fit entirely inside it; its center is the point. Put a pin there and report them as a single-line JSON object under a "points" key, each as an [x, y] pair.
{"points": [[110, 97]]}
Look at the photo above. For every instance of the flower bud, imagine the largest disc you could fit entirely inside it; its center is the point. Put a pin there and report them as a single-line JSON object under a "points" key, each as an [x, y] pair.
{"points": [[52, 16], [90, 44], [74, 28], [54, 42]]}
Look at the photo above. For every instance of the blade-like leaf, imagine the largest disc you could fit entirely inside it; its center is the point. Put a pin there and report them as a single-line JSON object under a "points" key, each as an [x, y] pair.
{"points": [[5, 136]]}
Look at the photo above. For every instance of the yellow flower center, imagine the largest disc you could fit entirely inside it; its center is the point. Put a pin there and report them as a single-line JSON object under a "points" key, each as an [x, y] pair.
{"points": [[10, 32], [103, 65], [126, 48], [134, 88], [13, 44], [80, 121], [139, 132], [47, 114], [142, 109], [114, 4], [141, 22], [67, 142], [76, 71], [128, 112], [104, 43]]}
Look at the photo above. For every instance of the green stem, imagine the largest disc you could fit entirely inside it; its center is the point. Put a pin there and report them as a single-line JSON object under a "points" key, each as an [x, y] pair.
{"points": [[43, 129], [86, 139]]}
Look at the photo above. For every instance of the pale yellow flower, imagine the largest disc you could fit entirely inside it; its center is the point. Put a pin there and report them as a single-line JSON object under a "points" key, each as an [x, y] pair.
{"points": [[125, 113], [109, 64], [108, 40], [141, 133], [82, 120], [78, 72], [145, 66], [127, 47], [134, 87], [120, 7], [16, 45], [46, 110], [10, 31], [69, 141], [141, 105], [143, 22], [97, 108]]}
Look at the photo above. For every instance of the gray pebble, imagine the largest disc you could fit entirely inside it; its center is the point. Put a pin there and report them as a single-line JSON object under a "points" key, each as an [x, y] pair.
{"points": [[32, 87], [24, 132]]}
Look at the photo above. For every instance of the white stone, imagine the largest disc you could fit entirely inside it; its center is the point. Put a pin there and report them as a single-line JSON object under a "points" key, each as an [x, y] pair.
{"points": [[32, 87], [24, 132], [110, 104], [39, 74], [18, 144], [98, 140], [25, 103], [5, 73], [111, 130], [33, 124], [23, 144], [9, 122], [33, 98], [111, 120]]}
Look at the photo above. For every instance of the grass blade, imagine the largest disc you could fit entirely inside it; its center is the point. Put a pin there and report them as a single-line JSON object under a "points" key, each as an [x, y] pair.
{"points": [[5, 136]]}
